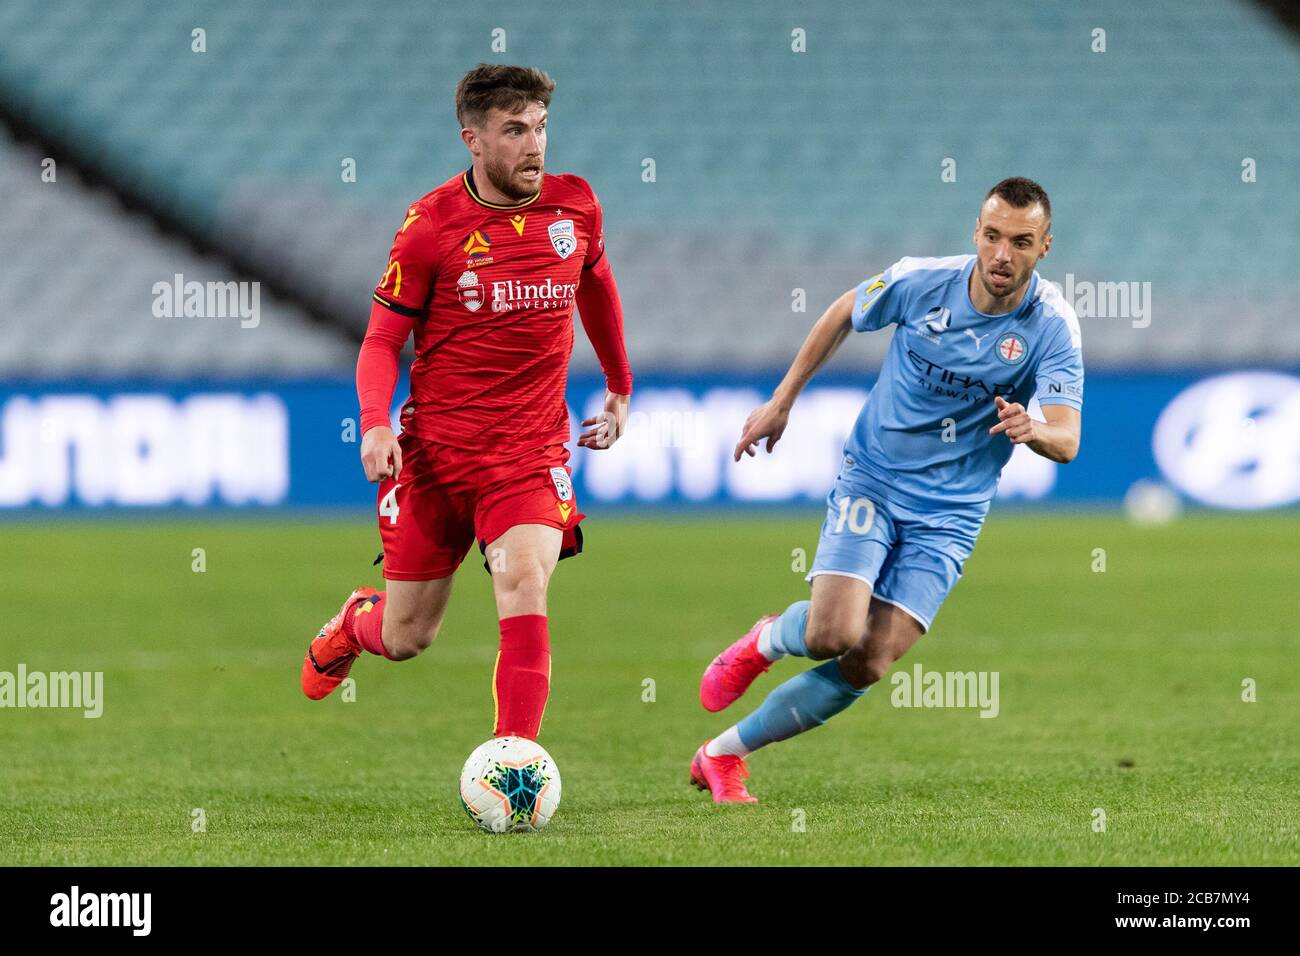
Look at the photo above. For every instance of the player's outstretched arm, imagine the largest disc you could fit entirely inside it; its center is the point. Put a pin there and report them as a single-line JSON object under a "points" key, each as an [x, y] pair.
{"points": [[769, 419], [1057, 438]]}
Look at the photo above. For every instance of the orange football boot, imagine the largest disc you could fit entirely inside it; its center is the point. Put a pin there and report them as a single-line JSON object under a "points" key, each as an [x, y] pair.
{"points": [[331, 652]]}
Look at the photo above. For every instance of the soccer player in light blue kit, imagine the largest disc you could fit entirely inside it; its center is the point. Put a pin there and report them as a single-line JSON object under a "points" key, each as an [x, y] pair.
{"points": [[977, 336]]}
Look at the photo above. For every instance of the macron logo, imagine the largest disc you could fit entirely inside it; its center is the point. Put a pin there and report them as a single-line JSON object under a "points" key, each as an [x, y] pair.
{"points": [[102, 909]]}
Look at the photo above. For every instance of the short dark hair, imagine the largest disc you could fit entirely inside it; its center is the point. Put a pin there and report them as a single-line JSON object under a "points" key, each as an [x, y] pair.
{"points": [[510, 88], [1021, 192]]}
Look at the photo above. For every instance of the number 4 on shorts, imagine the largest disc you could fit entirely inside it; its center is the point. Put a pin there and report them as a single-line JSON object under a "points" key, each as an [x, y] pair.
{"points": [[388, 506]]}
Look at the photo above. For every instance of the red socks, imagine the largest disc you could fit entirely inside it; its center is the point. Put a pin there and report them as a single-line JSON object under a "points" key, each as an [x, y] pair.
{"points": [[365, 623], [522, 679]]}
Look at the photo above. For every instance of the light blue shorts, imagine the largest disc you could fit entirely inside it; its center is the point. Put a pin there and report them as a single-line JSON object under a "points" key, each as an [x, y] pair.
{"points": [[912, 557]]}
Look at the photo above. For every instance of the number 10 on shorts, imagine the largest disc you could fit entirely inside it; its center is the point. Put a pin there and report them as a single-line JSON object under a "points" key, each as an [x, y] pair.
{"points": [[858, 514]]}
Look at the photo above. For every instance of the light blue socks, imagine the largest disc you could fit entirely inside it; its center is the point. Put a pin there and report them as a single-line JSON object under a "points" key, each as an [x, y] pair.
{"points": [[786, 636], [803, 702]]}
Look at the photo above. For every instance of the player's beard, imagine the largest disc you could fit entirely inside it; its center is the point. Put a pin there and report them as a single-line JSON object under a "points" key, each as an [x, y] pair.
{"points": [[502, 177], [1015, 285]]}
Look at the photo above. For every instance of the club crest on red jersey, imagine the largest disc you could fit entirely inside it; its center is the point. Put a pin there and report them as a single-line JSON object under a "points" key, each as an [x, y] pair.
{"points": [[563, 238], [470, 291], [563, 487]]}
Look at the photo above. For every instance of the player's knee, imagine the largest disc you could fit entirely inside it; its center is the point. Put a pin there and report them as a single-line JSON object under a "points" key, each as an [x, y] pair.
{"points": [[525, 582], [828, 637], [862, 671]]}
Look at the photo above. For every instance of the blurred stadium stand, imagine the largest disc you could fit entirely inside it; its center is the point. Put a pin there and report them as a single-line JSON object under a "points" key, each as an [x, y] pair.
{"points": [[77, 301], [774, 170]]}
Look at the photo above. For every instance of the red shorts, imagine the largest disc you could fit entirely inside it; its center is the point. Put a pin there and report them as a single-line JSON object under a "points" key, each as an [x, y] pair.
{"points": [[446, 497]]}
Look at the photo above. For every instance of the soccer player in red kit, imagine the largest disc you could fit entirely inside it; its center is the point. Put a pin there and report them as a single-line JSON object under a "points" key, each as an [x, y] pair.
{"points": [[486, 271]]}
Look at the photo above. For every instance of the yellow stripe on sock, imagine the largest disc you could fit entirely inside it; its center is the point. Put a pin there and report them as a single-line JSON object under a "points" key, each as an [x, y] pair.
{"points": [[548, 695], [496, 704]]}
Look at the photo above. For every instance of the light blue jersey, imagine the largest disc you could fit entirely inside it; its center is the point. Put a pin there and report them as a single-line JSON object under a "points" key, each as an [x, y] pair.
{"points": [[923, 432], [920, 468]]}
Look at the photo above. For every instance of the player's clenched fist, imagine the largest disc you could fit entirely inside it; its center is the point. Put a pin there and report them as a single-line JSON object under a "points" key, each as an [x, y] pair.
{"points": [[767, 421], [1015, 421], [381, 455]]}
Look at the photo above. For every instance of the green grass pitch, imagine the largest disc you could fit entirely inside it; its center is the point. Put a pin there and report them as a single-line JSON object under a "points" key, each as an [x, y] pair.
{"points": [[1119, 690]]}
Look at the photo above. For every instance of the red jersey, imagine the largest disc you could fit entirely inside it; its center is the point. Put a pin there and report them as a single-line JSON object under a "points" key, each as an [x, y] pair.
{"points": [[490, 290]]}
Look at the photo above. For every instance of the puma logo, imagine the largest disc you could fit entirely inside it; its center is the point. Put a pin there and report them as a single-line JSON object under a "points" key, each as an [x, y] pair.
{"points": [[978, 338]]}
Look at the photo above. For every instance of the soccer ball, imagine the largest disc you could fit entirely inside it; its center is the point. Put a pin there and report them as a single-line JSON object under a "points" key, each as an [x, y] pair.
{"points": [[508, 784]]}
